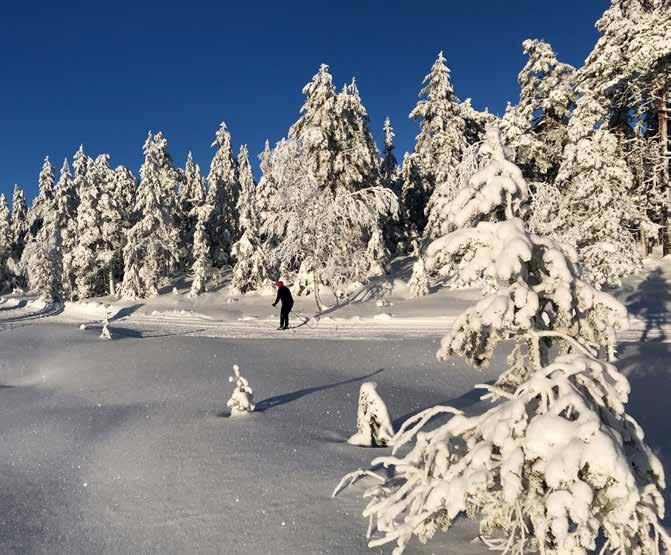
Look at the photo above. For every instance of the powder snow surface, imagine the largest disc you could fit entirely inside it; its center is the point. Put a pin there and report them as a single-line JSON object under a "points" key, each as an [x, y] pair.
{"points": [[121, 446], [125, 446]]}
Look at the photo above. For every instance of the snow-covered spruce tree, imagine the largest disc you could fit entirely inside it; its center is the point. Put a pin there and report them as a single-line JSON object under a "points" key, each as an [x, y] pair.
{"points": [[87, 267], [42, 202], [251, 271], [456, 180], [114, 226], [81, 181], [597, 210], [222, 195], [316, 231], [5, 241], [19, 222], [335, 134], [66, 202], [557, 465], [412, 202], [201, 251], [191, 196], [389, 170], [494, 193], [536, 129], [439, 144], [151, 248], [91, 260], [42, 257], [337, 142], [393, 229], [355, 156]]}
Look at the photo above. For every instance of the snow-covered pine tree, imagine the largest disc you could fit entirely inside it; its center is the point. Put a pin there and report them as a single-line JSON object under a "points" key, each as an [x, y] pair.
{"points": [[557, 465], [222, 195], [19, 222], [151, 248], [42, 202], [316, 231], [191, 196], [439, 144], [625, 79], [251, 271], [597, 210], [536, 129], [647, 164]]}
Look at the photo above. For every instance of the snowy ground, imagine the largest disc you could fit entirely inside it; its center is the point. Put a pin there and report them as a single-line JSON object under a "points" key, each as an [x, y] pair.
{"points": [[124, 446]]}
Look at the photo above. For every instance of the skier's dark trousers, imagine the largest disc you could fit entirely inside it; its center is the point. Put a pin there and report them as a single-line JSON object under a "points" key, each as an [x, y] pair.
{"points": [[284, 295]]}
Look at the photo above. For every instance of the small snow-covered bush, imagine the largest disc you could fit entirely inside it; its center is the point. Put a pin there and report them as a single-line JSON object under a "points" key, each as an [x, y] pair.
{"points": [[373, 423], [242, 399]]}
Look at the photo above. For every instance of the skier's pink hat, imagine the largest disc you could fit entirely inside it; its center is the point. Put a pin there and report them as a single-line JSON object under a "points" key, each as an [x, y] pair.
{"points": [[279, 283]]}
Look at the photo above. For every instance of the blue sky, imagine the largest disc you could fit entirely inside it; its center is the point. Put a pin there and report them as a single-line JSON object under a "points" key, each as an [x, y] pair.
{"points": [[104, 73]]}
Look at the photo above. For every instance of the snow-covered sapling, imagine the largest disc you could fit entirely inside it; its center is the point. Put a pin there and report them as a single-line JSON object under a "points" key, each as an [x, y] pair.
{"points": [[373, 424], [106, 333], [242, 399], [557, 464]]}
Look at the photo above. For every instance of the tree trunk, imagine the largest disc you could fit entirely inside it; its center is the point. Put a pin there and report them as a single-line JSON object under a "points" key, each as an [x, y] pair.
{"points": [[315, 286], [111, 282], [666, 159]]}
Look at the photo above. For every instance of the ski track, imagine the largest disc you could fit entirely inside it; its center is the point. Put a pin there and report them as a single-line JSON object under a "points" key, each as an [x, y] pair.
{"points": [[17, 315]]}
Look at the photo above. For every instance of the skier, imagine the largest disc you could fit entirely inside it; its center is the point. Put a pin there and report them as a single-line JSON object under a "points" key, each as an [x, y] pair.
{"points": [[284, 295]]}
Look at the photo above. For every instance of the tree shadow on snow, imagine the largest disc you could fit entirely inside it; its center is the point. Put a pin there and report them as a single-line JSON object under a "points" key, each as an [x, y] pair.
{"points": [[468, 399], [21, 304], [651, 302], [46, 312], [128, 333], [126, 311], [648, 369], [285, 398]]}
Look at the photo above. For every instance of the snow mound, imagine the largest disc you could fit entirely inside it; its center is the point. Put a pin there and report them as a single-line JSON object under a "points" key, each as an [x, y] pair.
{"points": [[90, 310], [170, 314], [383, 316]]}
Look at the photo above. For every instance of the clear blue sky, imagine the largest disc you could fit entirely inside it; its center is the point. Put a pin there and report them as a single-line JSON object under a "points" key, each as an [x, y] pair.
{"points": [[104, 73]]}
